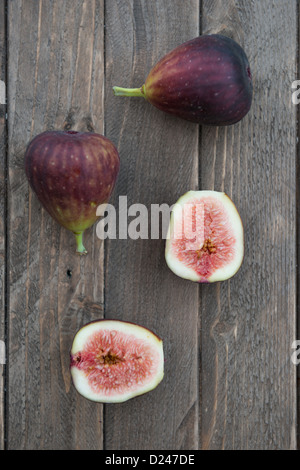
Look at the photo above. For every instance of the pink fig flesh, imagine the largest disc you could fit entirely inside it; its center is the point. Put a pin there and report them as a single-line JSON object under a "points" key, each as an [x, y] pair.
{"points": [[205, 241], [113, 361]]}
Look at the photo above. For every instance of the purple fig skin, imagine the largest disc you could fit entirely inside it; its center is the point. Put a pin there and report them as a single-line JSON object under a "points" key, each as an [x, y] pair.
{"points": [[72, 173], [206, 80]]}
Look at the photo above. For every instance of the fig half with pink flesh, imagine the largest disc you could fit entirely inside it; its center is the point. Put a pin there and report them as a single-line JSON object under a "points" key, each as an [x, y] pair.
{"points": [[113, 361], [205, 240]]}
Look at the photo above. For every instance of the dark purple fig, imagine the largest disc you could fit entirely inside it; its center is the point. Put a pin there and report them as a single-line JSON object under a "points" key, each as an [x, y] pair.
{"points": [[206, 80], [72, 173]]}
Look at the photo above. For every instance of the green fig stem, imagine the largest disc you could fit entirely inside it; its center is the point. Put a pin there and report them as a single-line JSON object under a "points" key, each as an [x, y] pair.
{"points": [[118, 91], [79, 245]]}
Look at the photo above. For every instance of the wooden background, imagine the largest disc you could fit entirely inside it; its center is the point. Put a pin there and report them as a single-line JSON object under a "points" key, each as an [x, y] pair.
{"points": [[229, 379]]}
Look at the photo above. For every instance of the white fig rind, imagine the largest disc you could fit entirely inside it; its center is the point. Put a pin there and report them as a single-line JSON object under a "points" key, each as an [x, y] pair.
{"points": [[235, 222], [140, 333]]}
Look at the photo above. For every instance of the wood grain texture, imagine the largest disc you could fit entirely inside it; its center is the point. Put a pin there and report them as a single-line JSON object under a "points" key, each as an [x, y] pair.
{"points": [[249, 323], [56, 81], [229, 380], [298, 238], [159, 162], [2, 218]]}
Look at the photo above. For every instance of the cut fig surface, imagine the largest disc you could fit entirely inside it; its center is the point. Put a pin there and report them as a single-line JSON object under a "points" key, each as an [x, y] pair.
{"points": [[205, 240], [113, 361]]}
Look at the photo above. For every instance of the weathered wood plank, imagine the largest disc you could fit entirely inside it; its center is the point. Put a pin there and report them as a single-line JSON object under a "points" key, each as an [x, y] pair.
{"points": [[248, 323], [298, 241], [2, 213], [56, 81], [159, 162]]}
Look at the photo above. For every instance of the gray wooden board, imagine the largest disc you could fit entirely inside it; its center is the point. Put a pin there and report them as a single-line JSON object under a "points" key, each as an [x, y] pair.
{"points": [[159, 162], [56, 81], [2, 215], [229, 381], [249, 323], [298, 245]]}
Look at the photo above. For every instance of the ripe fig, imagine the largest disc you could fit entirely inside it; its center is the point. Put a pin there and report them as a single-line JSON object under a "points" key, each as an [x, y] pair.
{"points": [[206, 80], [205, 240], [72, 173], [113, 361]]}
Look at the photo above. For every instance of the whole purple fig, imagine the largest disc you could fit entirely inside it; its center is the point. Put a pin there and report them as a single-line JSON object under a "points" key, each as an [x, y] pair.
{"points": [[206, 80], [72, 173]]}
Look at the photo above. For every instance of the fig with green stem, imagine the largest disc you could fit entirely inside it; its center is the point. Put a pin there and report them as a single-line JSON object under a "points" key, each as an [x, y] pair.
{"points": [[72, 173], [206, 80]]}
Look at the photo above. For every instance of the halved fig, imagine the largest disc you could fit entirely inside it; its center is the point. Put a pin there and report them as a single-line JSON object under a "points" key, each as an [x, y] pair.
{"points": [[205, 240], [113, 361]]}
